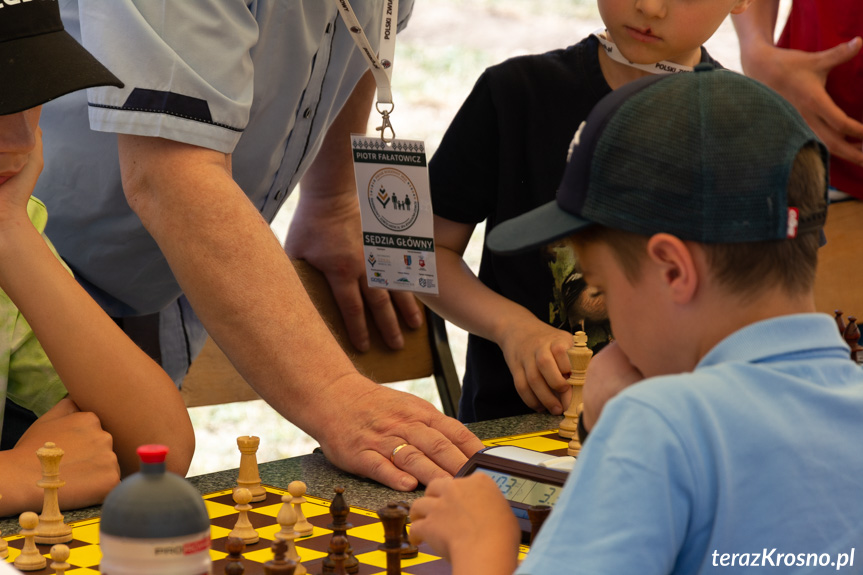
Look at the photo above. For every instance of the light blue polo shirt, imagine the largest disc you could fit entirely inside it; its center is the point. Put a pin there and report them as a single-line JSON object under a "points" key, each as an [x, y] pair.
{"points": [[260, 79], [758, 453]]}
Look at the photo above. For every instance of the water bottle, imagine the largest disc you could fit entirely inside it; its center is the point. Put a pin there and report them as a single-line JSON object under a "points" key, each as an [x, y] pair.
{"points": [[154, 521]]}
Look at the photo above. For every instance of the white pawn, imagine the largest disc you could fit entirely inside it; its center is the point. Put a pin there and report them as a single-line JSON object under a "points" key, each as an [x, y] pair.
{"points": [[59, 556], [243, 528], [30, 558], [287, 518], [297, 489]]}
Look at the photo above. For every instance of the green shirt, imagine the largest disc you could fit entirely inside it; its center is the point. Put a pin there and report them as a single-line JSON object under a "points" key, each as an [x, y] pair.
{"points": [[26, 374]]}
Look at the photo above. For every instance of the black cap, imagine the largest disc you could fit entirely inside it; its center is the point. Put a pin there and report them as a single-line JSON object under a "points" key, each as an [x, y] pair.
{"points": [[39, 60]]}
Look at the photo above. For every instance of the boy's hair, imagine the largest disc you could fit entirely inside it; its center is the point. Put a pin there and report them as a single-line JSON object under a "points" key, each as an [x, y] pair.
{"points": [[744, 268], [705, 156], [39, 60]]}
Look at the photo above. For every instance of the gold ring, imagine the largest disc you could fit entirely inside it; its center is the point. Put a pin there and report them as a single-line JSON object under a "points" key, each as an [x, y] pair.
{"points": [[396, 450]]}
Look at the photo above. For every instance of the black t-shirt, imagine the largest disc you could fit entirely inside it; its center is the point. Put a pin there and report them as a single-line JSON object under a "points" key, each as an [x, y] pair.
{"points": [[503, 155]]}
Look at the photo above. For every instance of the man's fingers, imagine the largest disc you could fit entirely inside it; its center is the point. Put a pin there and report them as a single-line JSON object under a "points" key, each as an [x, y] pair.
{"points": [[384, 314], [375, 466], [432, 454], [350, 301], [406, 303], [413, 461]]}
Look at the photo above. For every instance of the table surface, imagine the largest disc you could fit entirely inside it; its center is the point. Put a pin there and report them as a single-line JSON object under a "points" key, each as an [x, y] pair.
{"points": [[321, 476]]}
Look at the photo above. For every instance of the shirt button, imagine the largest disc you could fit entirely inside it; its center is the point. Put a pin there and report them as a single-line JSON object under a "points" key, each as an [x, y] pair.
{"points": [[307, 112], [279, 195]]}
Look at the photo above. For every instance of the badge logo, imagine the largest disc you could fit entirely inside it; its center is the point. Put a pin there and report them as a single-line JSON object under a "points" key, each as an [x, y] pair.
{"points": [[393, 199], [422, 263], [407, 260], [372, 259]]}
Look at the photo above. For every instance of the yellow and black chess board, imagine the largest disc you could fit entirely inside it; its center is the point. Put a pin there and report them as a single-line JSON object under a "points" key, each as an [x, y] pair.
{"points": [[545, 441], [365, 536]]}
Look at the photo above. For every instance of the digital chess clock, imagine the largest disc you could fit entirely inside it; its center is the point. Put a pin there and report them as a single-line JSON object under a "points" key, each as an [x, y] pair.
{"points": [[525, 477]]}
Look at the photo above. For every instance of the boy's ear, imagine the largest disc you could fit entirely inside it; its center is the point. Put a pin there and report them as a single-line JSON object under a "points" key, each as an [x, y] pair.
{"points": [[672, 258], [741, 6]]}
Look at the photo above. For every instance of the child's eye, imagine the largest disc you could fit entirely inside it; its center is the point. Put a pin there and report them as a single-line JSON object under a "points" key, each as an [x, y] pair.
{"points": [[594, 292]]}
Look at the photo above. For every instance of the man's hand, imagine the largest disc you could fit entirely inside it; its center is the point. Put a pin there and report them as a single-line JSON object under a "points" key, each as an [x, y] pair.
{"points": [[536, 356], [372, 420], [608, 373], [327, 234], [801, 78], [89, 466], [469, 523]]}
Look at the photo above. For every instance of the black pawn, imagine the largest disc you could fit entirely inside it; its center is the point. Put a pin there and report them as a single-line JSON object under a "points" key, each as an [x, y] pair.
{"points": [[339, 510], [393, 517], [235, 547], [339, 546], [280, 564], [409, 550]]}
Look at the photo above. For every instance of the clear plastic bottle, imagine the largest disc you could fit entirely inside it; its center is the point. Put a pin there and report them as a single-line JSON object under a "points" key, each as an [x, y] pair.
{"points": [[154, 521]]}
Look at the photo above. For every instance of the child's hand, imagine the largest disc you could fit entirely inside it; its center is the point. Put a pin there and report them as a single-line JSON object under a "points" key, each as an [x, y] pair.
{"points": [[608, 373], [89, 466], [536, 356], [469, 523], [15, 192]]}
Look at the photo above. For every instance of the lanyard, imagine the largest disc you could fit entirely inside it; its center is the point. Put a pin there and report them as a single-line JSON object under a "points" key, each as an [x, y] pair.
{"points": [[664, 67], [380, 64]]}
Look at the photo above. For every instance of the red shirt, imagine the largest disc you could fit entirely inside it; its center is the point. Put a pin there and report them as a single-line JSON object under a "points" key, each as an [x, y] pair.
{"points": [[815, 25]]}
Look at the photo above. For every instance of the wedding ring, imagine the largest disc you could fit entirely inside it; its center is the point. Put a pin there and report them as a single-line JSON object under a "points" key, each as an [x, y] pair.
{"points": [[396, 450]]}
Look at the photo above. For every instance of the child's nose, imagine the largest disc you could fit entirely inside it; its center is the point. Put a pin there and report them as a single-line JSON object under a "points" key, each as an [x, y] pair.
{"points": [[651, 8]]}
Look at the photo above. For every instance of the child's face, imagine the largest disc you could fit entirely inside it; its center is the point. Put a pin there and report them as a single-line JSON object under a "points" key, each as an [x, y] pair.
{"points": [[17, 141], [649, 31], [636, 309]]}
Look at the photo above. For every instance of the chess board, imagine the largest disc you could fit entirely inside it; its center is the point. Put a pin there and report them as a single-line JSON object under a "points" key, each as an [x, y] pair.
{"points": [[545, 441], [365, 536]]}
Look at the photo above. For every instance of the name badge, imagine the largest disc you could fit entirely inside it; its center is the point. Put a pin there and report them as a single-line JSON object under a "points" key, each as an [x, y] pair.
{"points": [[396, 211]]}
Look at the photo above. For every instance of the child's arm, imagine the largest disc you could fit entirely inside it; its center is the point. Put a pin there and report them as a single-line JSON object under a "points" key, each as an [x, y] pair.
{"points": [[89, 466], [104, 371], [535, 352], [469, 523]]}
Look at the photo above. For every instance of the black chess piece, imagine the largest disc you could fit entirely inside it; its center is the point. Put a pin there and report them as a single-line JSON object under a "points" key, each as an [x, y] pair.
{"points": [[279, 564], [393, 517], [235, 547], [840, 323], [339, 545], [409, 550], [537, 515], [339, 510]]}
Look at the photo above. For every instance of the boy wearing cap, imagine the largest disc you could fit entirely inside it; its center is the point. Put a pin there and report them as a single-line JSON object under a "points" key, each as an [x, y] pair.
{"points": [[117, 397], [695, 204], [502, 156]]}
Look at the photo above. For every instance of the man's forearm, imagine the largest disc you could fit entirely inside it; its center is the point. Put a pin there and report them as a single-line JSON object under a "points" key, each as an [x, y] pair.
{"points": [[234, 272]]}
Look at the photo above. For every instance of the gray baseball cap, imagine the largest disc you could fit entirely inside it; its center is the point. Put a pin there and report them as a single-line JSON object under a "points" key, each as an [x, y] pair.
{"points": [[705, 156]]}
